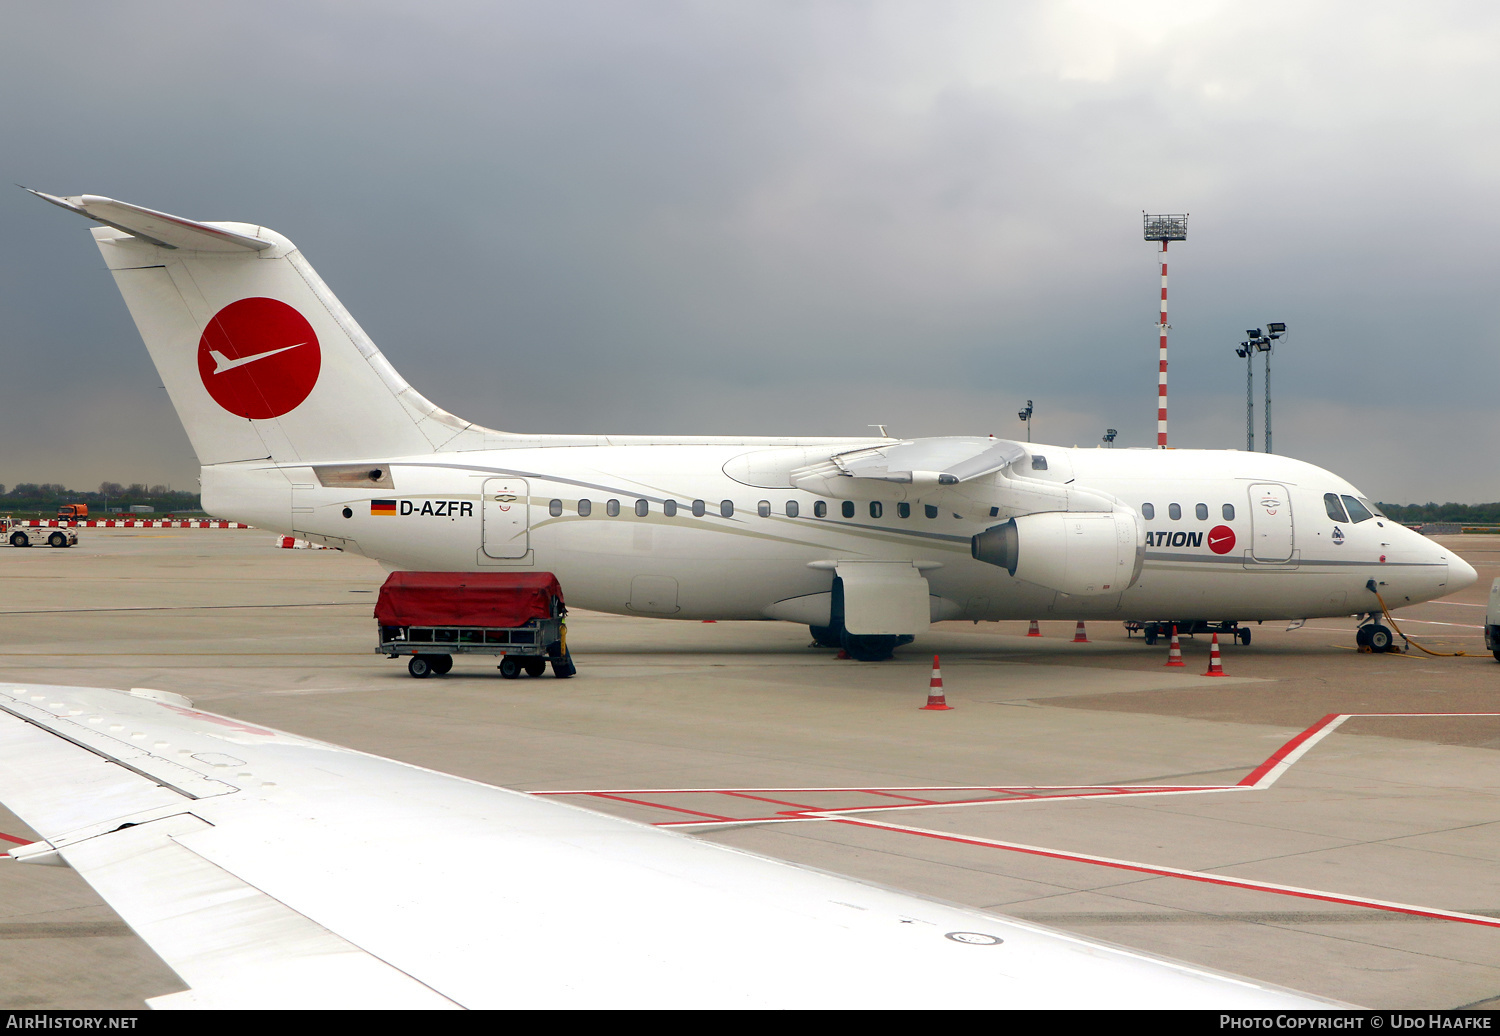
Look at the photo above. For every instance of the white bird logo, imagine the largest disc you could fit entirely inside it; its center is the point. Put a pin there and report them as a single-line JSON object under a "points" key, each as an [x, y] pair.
{"points": [[223, 363]]}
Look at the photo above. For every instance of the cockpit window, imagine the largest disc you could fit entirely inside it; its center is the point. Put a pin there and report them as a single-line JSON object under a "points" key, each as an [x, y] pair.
{"points": [[1358, 512], [1334, 508], [1377, 512]]}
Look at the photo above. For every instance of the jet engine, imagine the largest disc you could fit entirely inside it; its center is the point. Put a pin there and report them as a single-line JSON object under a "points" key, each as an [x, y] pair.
{"points": [[1083, 553]]}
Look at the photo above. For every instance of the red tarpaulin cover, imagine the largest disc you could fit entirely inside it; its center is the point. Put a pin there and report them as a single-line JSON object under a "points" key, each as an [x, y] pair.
{"points": [[466, 598]]}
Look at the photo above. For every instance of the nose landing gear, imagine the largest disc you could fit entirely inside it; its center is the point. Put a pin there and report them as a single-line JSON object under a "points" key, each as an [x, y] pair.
{"points": [[1374, 637]]}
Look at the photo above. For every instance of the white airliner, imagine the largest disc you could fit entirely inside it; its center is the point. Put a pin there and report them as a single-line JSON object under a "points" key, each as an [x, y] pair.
{"points": [[272, 871], [303, 427]]}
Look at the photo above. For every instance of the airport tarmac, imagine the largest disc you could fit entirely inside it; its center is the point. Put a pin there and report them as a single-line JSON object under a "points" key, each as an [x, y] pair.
{"points": [[1085, 786]]}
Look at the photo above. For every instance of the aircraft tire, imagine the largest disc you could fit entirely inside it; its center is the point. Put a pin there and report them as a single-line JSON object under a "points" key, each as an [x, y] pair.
{"points": [[419, 667], [510, 668], [535, 666], [826, 636], [1380, 639], [441, 664], [1362, 636], [871, 648]]}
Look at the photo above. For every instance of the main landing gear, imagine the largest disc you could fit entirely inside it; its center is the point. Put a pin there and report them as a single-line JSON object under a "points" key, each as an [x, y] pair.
{"points": [[872, 648]]}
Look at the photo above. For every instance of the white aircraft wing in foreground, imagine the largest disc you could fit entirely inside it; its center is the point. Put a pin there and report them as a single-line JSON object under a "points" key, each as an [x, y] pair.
{"points": [[269, 870]]}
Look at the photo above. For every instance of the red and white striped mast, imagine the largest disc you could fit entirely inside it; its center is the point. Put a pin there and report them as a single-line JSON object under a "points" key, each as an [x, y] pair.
{"points": [[1162, 229]]}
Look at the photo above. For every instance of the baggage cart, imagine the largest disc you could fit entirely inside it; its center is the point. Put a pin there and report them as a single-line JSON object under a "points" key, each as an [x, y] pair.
{"points": [[428, 617]]}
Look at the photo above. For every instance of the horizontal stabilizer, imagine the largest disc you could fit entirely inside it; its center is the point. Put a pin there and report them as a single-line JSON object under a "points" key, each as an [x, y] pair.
{"points": [[158, 228]]}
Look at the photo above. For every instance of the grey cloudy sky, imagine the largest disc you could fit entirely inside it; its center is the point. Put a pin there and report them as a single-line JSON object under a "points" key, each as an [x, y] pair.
{"points": [[794, 217]]}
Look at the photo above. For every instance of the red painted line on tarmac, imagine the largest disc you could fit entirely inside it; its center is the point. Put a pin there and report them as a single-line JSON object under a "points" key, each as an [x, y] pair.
{"points": [[13, 838], [799, 806], [1285, 750], [925, 802], [1173, 872], [657, 805]]}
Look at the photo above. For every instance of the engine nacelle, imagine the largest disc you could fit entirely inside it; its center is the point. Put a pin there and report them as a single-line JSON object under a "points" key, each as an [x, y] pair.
{"points": [[1082, 553]]}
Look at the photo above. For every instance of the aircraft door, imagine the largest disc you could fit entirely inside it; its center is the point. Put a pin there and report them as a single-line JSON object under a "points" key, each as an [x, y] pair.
{"points": [[506, 518], [1270, 523]]}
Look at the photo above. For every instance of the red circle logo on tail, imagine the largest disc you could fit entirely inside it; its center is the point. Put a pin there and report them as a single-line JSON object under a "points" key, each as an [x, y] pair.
{"points": [[1221, 539], [259, 358]]}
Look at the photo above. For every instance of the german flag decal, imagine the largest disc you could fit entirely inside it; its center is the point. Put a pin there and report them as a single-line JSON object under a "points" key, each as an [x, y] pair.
{"points": [[383, 507]]}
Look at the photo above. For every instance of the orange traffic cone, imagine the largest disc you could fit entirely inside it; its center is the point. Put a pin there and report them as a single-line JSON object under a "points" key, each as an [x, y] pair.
{"points": [[1080, 637], [1035, 631], [1215, 667], [936, 701], [1174, 656]]}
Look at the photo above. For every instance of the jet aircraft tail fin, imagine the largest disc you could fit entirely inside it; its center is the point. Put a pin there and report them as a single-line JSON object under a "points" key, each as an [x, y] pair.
{"points": [[259, 357]]}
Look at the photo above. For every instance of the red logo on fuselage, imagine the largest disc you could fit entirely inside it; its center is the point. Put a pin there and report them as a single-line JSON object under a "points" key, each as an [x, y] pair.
{"points": [[1221, 539], [259, 358]]}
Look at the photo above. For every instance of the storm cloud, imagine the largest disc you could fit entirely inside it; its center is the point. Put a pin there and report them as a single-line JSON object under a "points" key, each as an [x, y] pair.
{"points": [[792, 218]]}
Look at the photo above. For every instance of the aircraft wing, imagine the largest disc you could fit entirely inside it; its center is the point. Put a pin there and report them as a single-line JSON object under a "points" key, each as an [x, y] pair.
{"points": [[946, 460], [270, 870]]}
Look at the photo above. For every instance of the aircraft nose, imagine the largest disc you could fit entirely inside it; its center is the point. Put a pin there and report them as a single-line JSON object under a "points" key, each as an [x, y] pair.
{"points": [[1461, 574]]}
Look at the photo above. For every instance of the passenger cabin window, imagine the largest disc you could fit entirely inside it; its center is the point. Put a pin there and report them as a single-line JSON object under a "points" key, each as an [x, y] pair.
{"points": [[903, 510], [1334, 508], [1228, 512], [585, 508], [875, 509], [1148, 511], [1038, 463], [792, 509], [1202, 512], [669, 508], [820, 509], [930, 510], [1358, 512], [763, 508], [847, 507], [699, 508], [1174, 512], [726, 508], [642, 508], [554, 508], [612, 508]]}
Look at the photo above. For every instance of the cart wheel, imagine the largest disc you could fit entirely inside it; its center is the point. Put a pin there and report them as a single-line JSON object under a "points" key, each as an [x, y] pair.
{"points": [[1244, 636], [419, 667], [535, 666], [510, 668], [18, 539], [441, 664], [563, 667], [57, 539], [1150, 636]]}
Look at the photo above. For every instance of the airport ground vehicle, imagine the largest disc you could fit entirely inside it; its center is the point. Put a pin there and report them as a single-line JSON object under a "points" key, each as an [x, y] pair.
{"points": [[73, 512], [431, 616], [17, 536], [1154, 631], [1492, 621]]}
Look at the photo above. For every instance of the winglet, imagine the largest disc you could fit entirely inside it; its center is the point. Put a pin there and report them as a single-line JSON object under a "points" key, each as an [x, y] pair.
{"points": [[157, 228]]}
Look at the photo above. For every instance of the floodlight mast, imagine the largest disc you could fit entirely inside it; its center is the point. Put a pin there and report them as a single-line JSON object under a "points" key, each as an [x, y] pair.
{"points": [[1161, 229]]}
